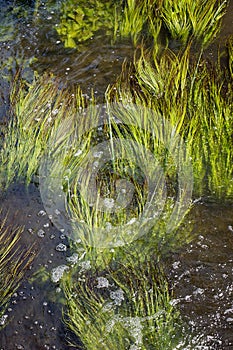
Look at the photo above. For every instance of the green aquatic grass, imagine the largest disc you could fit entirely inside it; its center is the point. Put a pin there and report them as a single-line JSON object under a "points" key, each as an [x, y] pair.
{"points": [[114, 185], [198, 103], [140, 20], [136, 19], [214, 123], [133, 19], [197, 100], [35, 110], [129, 307], [14, 262], [199, 20]]}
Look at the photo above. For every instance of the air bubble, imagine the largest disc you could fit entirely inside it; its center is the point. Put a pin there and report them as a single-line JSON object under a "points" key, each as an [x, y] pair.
{"points": [[61, 247], [102, 282], [41, 213], [41, 233], [57, 273]]}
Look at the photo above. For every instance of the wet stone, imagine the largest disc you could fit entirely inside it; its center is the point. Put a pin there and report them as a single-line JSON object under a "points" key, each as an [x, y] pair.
{"points": [[117, 296], [73, 258], [3, 320]]}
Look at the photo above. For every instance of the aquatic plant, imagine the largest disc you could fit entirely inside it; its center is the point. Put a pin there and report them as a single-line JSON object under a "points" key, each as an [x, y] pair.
{"points": [[80, 20], [35, 110], [212, 147], [14, 262], [138, 20], [187, 20], [129, 307], [197, 102], [108, 178]]}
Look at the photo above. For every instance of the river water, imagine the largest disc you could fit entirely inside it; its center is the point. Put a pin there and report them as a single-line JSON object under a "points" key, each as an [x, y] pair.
{"points": [[201, 272]]}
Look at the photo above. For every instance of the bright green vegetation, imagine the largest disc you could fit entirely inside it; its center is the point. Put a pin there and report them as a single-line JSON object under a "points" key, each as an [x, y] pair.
{"points": [[13, 263], [197, 104], [197, 100], [80, 20], [198, 20], [115, 189], [212, 147], [138, 20], [166, 126], [127, 308], [184, 20], [34, 110]]}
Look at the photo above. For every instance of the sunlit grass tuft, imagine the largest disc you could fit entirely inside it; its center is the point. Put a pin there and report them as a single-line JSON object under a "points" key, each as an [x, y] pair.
{"points": [[137, 19], [196, 99], [116, 180], [35, 110], [187, 19]]}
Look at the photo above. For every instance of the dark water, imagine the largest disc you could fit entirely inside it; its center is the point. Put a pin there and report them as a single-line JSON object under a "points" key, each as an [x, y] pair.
{"points": [[202, 275], [201, 272]]}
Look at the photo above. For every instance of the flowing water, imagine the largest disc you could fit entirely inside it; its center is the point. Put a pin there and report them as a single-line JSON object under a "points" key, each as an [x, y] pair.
{"points": [[201, 273]]}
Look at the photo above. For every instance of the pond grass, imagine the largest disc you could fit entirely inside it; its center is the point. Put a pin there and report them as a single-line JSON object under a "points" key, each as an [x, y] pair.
{"points": [[184, 20], [193, 20], [130, 307], [114, 186], [14, 261], [35, 109], [170, 106], [136, 19], [197, 100]]}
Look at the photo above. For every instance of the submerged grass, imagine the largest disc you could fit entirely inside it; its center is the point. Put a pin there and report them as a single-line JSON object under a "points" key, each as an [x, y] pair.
{"points": [[35, 110], [129, 307], [118, 178], [125, 198], [196, 99], [13, 263], [80, 21], [140, 20]]}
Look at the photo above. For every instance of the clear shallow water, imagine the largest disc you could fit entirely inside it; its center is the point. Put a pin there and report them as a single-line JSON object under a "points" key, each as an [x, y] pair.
{"points": [[201, 273]]}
